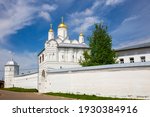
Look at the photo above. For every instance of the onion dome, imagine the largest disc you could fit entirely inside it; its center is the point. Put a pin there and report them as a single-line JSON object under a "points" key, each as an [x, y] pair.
{"points": [[51, 30], [81, 34], [62, 24]]}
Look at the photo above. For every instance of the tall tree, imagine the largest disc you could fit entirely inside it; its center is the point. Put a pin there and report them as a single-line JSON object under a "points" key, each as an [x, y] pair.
{"points": [[100, 52]]}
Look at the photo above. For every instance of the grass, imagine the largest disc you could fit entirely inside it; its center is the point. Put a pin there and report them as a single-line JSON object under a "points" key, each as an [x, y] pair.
{"points": [[68, 95], [86, 97], [16, 89]]}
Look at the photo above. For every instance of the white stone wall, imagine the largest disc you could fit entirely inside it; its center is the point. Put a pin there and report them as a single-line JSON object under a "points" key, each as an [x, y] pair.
{"points": [[70, 54], [121, 82], [26, 81]]}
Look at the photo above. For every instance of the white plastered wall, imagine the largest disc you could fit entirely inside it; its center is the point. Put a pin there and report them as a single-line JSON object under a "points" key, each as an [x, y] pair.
{"points": [[26, 81], [115, 83]]}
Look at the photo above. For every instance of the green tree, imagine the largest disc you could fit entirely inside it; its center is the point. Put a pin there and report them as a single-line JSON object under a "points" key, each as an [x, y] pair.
{"points": [[100, 52]]}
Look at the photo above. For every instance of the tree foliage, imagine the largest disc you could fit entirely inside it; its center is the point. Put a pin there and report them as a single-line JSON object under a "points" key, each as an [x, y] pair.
{"points": [[100, 52]]}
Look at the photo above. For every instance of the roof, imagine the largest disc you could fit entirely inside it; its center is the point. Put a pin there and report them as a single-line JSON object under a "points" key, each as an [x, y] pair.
{"points": [[26, 74], [70, 45], [138, 46], [11, 62], [101, 67], [41, 51]]}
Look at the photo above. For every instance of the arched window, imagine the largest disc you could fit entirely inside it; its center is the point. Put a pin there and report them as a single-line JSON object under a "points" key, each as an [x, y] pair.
{"points": [[43, 73], [42, 57]]}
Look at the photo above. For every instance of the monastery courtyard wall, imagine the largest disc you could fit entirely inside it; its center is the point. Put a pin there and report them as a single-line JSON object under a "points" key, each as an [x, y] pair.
{"points": [[26, 81], [119, 80]]}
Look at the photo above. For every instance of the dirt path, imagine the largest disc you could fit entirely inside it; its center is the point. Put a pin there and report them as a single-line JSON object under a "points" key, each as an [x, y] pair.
{"points": [[10, 95]]}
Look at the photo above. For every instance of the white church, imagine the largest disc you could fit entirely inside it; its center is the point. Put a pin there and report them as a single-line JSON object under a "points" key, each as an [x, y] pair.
{"points": [[61, 52], [59, 70]]}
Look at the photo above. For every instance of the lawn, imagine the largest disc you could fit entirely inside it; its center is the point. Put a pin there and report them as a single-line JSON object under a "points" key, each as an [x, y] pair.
{"points": [[86, 97], [69, 95]]}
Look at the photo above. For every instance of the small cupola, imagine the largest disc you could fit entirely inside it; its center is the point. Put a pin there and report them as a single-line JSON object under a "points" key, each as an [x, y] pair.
{"points": [[81, 38], [51, 33]]}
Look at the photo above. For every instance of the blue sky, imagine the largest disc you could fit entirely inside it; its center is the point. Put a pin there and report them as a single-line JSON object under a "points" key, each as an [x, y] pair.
{"points": [[24, 24]]}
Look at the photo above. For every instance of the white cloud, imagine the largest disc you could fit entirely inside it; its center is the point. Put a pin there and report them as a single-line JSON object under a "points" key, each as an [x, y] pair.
{"points": [[83, 20], [134, 42], [132, 30], [47, 7], [14, 16], [45, 15], [86, 24], [46, 10], [126, 25], [113, 2], [129, 19]]}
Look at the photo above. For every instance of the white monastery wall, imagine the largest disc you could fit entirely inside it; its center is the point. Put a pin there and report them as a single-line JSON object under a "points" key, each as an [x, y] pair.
{"points": [[120, 82], [26, 81]]}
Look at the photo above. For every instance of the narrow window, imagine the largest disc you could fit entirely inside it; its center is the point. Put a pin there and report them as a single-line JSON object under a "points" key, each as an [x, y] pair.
{"points": [[121, 61], [62, 56], [143, 59], [132, 60], [42, 57], [43, 73], [73, 56]]}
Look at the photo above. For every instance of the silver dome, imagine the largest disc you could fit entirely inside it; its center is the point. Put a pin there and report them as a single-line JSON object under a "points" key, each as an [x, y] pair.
{"points": [[12, 62]]}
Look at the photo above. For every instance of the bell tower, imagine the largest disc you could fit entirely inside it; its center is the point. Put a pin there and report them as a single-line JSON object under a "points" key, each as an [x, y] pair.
{"points": [[11, 70], [62, 30]]}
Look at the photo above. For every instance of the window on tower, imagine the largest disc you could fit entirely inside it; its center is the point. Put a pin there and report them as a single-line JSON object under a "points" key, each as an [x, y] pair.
{"points": [[43, 73], [40, 59]]}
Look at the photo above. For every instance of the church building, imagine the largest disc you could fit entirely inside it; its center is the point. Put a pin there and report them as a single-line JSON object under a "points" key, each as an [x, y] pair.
{"points": [[60, 51]]}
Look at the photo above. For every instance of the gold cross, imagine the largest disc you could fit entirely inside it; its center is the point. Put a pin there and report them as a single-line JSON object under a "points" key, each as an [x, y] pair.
{"points": [[51, 25], [62, 19]]}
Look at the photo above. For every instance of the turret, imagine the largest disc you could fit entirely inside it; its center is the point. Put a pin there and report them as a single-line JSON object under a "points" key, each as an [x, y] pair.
{"points": [[81, 38], [50, 33], [11, 70], [62, 30]]}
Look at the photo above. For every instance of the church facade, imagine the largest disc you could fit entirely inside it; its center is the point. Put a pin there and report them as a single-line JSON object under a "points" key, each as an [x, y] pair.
{"points": [[60, 51]]}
